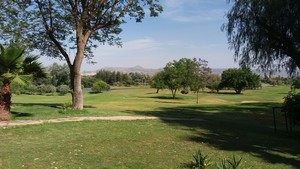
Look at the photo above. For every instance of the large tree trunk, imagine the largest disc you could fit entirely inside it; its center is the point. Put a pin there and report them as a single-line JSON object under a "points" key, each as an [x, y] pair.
{"points": [[77, 96], [5, 102]]}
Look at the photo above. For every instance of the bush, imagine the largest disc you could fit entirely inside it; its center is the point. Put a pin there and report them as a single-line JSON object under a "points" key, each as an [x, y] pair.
{"points": [[100, 86], [63, 89], [50, 89], [32, 89], [41, 89], [292, 106]]}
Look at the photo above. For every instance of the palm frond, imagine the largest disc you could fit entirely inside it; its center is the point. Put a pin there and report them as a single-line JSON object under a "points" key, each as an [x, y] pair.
{"points": [[22, 80]]}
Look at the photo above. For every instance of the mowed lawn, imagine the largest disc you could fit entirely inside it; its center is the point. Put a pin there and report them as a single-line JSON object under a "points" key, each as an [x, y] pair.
{"points": [[231, 124]]}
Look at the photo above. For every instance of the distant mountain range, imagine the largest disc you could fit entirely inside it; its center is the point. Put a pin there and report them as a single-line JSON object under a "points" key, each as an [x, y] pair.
{"points": [[153, 71]]}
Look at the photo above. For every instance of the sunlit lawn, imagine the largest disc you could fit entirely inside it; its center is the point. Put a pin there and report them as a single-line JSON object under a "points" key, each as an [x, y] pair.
{"points": [[232, 124]]}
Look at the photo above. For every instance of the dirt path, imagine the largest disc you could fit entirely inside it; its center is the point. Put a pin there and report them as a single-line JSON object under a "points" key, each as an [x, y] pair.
{"points": [[91, 118]]}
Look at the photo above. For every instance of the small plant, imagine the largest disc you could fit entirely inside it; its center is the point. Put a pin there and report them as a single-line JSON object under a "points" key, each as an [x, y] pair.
{"points": [[65, 107], [201, 161], [223, 165], [230, 163], [234, 163]]}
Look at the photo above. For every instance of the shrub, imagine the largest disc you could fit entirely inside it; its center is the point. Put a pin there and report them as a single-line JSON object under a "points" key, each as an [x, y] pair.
{"points": [[292, 106], [50, 89], [100, 86], [41, 89], [32, 89], [63, 89]]}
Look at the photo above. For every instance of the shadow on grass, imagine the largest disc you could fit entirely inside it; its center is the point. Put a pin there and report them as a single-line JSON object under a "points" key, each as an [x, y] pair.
{"points": [[53, 105], [21, 114], [166, 98], [244, 127]]}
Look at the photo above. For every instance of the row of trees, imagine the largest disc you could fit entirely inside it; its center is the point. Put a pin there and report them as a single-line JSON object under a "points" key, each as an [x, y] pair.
{"points": [[194, 74], [117, 78]]}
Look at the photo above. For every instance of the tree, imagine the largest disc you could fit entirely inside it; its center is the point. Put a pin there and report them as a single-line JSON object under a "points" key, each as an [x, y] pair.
{"points": [[54, 27], [16, 68], [158, 81], [200, 76], [60, 74], [179, 75], [213, 82], [265, 33], [239, 79]]}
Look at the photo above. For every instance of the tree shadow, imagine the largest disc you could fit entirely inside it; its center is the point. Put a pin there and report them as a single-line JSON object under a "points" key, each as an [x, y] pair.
{"points": [[53, 105], [21, 114], [244, 127], [165, 98]]}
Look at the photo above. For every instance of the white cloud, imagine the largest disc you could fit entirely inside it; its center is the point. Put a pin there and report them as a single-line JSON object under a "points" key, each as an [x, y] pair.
{"points": [[193, 11]]}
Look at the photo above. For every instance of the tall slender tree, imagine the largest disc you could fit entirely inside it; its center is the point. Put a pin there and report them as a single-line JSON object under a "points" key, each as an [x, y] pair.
{"points": [[53, 27]]}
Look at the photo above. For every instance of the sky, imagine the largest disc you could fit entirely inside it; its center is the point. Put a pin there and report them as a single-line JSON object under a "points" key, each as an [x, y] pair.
{"points": [[185, 29]]}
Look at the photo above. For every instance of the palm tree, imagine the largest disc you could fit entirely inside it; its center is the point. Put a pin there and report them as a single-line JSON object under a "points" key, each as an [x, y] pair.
{"points": [[17, 68]]}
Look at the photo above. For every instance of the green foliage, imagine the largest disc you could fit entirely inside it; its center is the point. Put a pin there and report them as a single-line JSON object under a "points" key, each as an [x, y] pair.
{"points": [[59, 74], [31, 89], [157, 81], [265, 33], [122, 79], [33, 67], [178, 74], [65, 106], [139, 78], [239, 79], [100, 86], [232, 163], [292, 106], [87, 81], [296, 84], [63, 89], [50, 89], [213, 82], [201, 161]]}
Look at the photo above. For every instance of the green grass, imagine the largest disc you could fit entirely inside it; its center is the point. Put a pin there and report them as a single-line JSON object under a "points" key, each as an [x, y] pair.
{"points": [[232, 124]]}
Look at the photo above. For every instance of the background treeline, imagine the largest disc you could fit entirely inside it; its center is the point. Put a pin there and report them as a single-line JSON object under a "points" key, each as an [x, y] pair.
{"points": [[57, 80], [116, 78]]}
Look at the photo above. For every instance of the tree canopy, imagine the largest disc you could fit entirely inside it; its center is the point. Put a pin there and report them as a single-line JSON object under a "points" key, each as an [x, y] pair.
{"points": [[158, 81], [239, 79], [186, 74], [265, 33], [54, 27]]}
